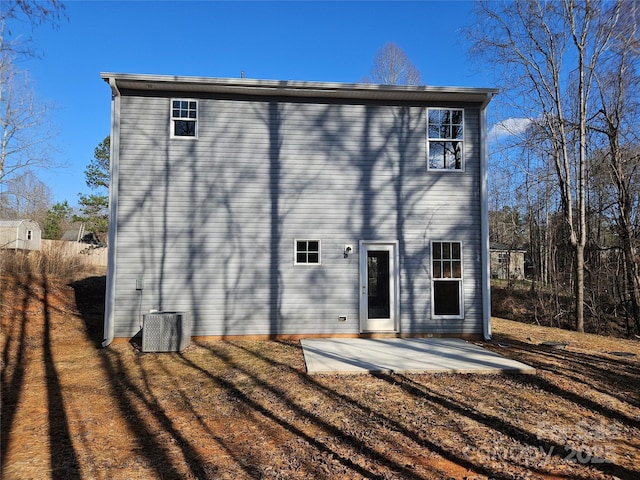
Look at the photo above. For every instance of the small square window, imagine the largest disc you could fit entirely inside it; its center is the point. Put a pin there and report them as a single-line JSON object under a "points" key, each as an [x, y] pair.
{"points": [[184, 118], [307, 252]]}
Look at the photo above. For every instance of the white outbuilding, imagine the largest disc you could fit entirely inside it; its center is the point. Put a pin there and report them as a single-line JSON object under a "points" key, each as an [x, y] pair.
{"points": [[20, 235]]}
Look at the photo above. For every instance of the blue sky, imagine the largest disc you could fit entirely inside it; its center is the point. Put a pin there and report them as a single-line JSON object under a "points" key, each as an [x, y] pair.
{"points": [[314, 41]]}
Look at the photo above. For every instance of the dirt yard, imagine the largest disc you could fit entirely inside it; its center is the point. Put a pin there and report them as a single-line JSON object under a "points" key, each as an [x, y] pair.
{"points": [[247, 409]]}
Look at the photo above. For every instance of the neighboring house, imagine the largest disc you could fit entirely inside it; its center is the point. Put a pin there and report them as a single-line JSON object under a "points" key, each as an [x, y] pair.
{"points": [[72, 235], [506, 263], [20, 235], [295, 209], [81, 237]]}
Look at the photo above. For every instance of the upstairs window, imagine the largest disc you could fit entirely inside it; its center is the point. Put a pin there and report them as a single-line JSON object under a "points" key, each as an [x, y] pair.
{"points": [[445, 138], [184, 118], [307, 252]]}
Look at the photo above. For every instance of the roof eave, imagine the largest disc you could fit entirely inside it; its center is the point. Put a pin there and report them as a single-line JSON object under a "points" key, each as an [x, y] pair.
{"points": [[288, 88]]}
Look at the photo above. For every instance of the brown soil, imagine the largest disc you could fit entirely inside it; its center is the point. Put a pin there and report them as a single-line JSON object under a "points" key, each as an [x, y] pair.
{"points": [[247, 409]]}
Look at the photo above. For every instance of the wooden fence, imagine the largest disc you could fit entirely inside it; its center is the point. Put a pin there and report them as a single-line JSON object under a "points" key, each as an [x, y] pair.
{"points": [[90, 254]]}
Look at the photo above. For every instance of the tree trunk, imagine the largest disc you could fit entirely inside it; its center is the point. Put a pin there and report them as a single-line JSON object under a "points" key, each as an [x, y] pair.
{"points": [[580, 41], [632, 281], [579, 287]]}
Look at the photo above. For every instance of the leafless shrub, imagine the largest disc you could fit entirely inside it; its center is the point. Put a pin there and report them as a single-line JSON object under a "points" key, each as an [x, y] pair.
{"points": [[52, 263]]}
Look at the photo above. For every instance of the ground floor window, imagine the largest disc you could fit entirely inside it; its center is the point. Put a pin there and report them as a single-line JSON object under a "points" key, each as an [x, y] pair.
{"points": [[446, 279], [307, 252]]}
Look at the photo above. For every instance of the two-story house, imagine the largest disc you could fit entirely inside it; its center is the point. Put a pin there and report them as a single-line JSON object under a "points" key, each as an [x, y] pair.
{"points": [[298, 209]]}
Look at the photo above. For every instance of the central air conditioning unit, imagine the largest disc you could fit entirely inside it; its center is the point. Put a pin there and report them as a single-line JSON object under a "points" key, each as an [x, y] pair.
{"points": [[166, 331]]}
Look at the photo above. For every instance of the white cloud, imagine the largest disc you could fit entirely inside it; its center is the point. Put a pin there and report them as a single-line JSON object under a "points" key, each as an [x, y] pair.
{"points": [[509, 127]]}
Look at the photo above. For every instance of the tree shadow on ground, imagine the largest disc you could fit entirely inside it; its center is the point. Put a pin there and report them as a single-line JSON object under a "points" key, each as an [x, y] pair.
{"points": [[270, 400], [365, 411], [90, 297], [136, 394], [420, 387], [13, 366], [597, 371], [130, 397], [28, 333]]}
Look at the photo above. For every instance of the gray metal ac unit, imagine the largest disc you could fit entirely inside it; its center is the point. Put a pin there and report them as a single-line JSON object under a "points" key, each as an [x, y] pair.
{"points": [[165, 331]]}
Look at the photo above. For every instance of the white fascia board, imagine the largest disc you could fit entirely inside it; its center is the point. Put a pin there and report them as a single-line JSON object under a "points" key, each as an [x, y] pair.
{"points": [[287, 88]]}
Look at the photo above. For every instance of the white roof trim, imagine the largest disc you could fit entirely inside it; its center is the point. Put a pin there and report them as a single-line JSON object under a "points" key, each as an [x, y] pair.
{"points": [[243, 86], [16, 223]]}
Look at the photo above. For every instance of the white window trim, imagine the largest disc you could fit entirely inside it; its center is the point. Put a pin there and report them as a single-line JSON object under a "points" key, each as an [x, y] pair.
{"points": [[295, 252], [172, 131], [459, 280], [429, 140]]}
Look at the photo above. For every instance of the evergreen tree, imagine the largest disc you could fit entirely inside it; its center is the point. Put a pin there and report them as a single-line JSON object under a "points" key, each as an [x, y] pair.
{"points": [[94, 208], [56, 219]]}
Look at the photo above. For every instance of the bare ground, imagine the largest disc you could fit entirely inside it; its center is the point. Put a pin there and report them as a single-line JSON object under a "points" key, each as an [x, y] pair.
{"points": [[247, 409]]}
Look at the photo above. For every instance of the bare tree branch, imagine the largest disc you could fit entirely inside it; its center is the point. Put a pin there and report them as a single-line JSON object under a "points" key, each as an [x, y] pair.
{"points": [[391, 66], [24, 133], [549, 53]]}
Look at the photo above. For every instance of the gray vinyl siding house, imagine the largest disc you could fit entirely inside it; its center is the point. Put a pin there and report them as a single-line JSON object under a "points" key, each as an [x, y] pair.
{"points": [[20, 235], [292, 209]]}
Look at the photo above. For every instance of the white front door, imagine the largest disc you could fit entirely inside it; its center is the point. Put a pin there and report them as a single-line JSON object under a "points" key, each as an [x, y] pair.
{"points": [[378, 286]]}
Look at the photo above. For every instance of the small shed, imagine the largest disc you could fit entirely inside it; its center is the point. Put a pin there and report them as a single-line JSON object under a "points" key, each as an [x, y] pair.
{"points": [[20, 235], [507, 263]]}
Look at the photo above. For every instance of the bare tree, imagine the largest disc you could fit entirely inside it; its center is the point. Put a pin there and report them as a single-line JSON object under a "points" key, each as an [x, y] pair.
{"points": [[24, 132], [391, 66], [25, 12], [549, 51], [618, 85], [25, 196]]}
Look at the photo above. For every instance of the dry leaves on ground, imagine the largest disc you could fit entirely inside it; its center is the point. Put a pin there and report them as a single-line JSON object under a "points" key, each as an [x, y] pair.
{"points": [[247, 409]]}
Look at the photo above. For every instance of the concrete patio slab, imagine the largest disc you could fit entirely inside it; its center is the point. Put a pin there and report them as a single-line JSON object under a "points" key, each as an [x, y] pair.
{"points": [[404, 355]]}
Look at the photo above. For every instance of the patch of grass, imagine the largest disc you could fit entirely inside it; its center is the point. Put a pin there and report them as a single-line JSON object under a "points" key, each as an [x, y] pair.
{"points": [[54, 263]]}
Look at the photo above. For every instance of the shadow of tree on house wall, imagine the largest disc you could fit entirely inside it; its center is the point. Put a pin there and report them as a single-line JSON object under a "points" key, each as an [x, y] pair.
{"points": [[209, 225]]}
